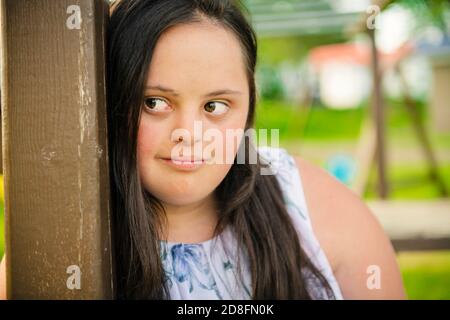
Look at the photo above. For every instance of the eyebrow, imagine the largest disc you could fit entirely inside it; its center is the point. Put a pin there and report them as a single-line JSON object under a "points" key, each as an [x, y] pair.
{"points": [[211, 94]]}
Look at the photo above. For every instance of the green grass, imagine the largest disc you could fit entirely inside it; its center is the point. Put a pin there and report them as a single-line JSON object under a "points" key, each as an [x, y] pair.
{"points": [[426, 275], [322, 124], [409, 182], [325, 126]]}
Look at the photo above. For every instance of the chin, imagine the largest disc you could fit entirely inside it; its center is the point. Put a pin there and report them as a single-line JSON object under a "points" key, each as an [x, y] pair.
{"points": [[182, 199]]}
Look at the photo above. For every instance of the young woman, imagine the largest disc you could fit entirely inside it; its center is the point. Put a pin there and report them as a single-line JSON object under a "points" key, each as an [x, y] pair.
{"points": [[187, 227]]}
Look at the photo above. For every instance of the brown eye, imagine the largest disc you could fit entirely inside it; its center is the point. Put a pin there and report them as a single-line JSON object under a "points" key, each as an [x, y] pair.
{"points": [[216, 107], [156, 104]]}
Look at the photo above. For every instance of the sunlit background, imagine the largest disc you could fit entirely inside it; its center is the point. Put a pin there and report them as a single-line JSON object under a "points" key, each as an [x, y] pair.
{"points": [[316, 84]]}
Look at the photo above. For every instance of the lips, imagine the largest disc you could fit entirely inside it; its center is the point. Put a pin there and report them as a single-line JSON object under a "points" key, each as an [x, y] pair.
{"points": [[188, 160], [184, 159], [183, 164]]}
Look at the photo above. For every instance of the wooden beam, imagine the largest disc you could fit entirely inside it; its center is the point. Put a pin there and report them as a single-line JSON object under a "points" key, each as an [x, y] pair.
{"points": [[57, 208], [1, 135], [422, 135], [415, 225], [378, 118], [364, 155], [362, 23], [421, 244]]}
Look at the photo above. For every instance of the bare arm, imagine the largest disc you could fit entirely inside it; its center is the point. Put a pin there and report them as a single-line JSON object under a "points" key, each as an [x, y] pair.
{"points": [[3, 279], [359, 251]]}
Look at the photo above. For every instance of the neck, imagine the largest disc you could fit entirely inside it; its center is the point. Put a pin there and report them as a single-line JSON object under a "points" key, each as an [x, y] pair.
{"points": [[191, 223]]}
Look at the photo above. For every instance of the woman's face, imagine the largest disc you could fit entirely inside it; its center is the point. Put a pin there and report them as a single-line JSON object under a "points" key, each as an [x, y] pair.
{"points": [[197, 88]]}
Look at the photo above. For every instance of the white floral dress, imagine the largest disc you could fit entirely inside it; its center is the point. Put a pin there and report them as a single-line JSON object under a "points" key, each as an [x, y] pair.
{"points": [[207, 270]]}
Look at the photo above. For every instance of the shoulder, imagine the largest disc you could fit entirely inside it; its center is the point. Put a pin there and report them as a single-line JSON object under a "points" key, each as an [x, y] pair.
{"points": [[350, 235]]}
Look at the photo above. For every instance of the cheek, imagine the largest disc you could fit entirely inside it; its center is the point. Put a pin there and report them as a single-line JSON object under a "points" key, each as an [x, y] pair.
{"points": [[148, 140]]}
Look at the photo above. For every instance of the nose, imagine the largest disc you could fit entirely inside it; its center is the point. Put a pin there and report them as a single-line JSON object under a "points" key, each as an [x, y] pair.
{"points": [[188, 127]]}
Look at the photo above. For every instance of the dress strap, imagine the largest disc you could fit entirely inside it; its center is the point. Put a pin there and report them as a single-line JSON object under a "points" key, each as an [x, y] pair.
{"points": [[284, 168]]}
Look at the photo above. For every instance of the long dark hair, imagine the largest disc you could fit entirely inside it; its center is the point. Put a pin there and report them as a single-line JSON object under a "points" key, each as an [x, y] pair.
{"points": [[251, 203]]}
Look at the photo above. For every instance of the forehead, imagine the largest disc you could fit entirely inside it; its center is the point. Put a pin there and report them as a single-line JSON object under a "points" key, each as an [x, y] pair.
{"points": [[198, 53]]}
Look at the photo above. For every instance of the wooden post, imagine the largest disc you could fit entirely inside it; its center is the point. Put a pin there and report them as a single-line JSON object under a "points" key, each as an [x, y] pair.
{"points": [[365, 155], [55, 161], [378, 114], [419, 129]]}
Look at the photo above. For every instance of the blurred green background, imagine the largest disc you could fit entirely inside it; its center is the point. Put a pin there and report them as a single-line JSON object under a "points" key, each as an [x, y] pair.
{"points": [[426, 274], [317, 92]]}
